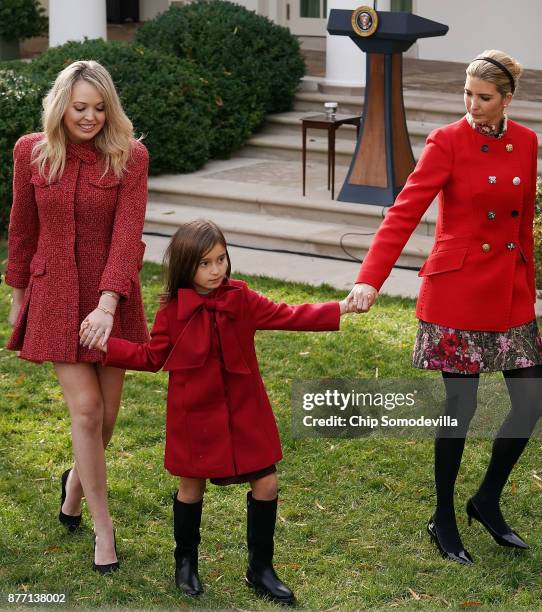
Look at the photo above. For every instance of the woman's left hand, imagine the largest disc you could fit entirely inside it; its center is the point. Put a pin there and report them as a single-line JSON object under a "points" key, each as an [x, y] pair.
{"points": [[95, 328]]}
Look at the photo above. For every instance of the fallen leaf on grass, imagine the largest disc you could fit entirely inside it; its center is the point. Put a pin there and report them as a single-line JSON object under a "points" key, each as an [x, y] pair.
{"points": [[304, 353], [283, 519], [294, 566], [319, 506], [513, 487], [20, 379], [52, 549], [414, 594], [537, 477]]}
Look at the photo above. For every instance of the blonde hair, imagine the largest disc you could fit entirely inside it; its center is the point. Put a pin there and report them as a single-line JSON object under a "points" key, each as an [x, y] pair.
{"points": [[114, 140], [487, 71]]}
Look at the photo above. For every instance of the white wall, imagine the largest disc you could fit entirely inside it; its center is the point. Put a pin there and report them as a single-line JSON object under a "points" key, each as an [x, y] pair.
{"points": [[475, 25]]}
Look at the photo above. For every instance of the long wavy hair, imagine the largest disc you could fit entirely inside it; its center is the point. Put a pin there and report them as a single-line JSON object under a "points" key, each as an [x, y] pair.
{"points": [[114, 140]]}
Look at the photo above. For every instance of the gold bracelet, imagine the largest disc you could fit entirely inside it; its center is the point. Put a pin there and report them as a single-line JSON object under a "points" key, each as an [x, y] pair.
{"points": [[113, 295], [106, 310]]}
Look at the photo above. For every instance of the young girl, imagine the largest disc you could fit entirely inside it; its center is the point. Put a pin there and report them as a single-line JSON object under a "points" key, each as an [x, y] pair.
{"points": [[219, 420]]}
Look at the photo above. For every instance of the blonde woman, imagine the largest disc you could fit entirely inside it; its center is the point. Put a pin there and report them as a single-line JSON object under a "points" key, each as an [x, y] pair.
{"points": [[74, 254], [476, 304]]}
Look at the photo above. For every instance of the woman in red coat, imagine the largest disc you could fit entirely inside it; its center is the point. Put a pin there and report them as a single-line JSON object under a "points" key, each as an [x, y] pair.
{"points": [[220, 424], [476, 304], [74, 252]]}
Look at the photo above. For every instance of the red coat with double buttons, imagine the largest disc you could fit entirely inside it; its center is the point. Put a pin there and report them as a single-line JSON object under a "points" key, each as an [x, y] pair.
{"points": [[70, 240], [219, 419], [480, 273]]}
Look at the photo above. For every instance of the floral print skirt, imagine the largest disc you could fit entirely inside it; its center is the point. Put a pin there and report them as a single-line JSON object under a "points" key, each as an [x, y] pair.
{"points": [[470, 352]]}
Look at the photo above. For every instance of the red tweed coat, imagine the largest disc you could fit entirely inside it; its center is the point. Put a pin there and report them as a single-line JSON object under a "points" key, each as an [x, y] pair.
{"points": [[219, 419], [480, 273], [69, 241]]}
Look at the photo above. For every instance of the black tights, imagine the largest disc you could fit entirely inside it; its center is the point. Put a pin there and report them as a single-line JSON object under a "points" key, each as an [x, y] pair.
{"points": [[525, 390]]}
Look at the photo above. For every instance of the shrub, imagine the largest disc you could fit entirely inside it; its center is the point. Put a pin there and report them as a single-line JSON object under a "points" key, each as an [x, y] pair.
{"points": [[170, 102], [20, 19], [256, 63], [20, 104]]}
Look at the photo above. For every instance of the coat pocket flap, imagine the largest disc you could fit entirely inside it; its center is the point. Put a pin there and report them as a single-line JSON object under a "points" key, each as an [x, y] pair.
{"points": [[444, 261], [37, 267]]}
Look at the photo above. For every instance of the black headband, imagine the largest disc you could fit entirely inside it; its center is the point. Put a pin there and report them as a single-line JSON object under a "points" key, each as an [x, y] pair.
{"points": [[502, 67]]}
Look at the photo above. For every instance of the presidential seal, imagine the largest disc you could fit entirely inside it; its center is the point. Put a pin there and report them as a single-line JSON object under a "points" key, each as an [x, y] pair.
{"points": [[364, 21]]}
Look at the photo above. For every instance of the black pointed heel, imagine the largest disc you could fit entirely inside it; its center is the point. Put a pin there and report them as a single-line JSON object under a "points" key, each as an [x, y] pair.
{"points": [[510, 539], [106, 568], [462, 556], [71, 521]]}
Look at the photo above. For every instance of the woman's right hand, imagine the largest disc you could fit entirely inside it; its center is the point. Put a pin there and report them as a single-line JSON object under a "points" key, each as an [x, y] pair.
{"points": [[362, 297], [16, 303]]}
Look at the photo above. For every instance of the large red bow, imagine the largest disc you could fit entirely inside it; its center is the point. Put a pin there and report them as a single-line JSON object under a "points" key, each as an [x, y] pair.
{"points": [[192, 347]]}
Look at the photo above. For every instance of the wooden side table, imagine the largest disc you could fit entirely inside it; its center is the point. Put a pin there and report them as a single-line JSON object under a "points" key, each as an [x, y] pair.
{"points": [[331, 124]]}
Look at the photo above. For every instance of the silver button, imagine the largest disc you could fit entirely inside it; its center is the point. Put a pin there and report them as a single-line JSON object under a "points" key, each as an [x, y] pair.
{"points": [[492, 179], [510, 246], [491, 214], [516, 180]]}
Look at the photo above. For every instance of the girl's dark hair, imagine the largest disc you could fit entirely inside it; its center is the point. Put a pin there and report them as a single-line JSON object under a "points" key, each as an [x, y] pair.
{"points": [[185, 251]]}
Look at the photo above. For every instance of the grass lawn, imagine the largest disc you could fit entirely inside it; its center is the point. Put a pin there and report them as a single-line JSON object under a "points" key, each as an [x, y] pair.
{"points": [[351, 530]]}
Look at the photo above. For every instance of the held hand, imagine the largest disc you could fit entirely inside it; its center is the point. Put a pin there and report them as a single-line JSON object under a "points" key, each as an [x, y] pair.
{"points": [[95, 329], [346, 306], [362, 297]]}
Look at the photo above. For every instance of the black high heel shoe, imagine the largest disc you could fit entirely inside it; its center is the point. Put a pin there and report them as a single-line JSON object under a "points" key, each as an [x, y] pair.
{"points": [[106, 568], [510, 539], [71, 521], [462, 556]]}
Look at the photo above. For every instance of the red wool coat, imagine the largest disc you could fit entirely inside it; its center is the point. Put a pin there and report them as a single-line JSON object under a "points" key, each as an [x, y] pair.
{"points": [[70, 240], [219, 419], [480, 273]]}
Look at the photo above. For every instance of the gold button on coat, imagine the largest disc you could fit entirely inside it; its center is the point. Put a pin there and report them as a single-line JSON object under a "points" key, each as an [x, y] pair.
{"points": [[485, 247], [509, 148]]}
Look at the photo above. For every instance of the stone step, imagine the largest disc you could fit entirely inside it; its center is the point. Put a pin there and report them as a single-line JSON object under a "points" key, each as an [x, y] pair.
{"points": [[283, 234], [426, 107], [284, 146], [197, 191], [290, 124]]}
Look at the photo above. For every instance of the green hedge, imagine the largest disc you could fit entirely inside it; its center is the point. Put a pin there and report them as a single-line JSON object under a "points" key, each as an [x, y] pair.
{"points": [[20, 104], [196, 83], [256, 63], [20, 19]]}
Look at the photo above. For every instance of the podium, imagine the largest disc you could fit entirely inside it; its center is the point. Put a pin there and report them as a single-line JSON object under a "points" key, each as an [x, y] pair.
{"points": [[383, 157]]}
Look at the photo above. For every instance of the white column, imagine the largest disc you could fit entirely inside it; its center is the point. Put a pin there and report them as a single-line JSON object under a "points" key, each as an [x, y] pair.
{"points": [[75, 19], [345, 63]]}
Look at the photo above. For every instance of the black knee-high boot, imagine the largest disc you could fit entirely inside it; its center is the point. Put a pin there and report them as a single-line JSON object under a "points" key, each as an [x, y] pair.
{"points": [[186, 524], [525, 389], [261, 576]]}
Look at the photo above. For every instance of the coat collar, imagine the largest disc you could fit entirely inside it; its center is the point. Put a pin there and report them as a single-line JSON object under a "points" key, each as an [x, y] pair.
{"points": [[193, 345], [86, 151]]}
